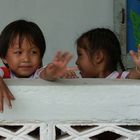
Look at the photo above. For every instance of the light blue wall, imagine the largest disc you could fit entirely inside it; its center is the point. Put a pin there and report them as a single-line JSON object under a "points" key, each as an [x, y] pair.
{"points": [[62, 21]]}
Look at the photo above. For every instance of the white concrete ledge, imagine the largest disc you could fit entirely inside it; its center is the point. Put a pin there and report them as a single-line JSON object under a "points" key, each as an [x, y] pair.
{"points": [[78, 100]]}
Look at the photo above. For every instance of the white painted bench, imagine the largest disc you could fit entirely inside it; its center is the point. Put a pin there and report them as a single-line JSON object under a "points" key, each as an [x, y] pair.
{"points": [[72, 110]]}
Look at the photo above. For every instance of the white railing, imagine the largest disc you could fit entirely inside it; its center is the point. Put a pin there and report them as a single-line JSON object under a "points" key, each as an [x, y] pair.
{"points": [[76, 109]]}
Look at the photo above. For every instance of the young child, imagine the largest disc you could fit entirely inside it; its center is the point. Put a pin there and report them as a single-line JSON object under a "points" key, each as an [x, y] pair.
{"points": [[99, 56], [22, 47]]}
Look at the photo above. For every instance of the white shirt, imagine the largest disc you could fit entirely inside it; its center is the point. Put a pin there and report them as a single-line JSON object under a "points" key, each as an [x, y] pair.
{"points": [[33, 76], [115, 74]]}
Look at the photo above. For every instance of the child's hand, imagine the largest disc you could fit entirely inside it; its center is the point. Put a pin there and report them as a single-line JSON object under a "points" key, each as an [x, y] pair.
{"points": [[70, 73], [57, 68], [136, 57], [5, 93]]}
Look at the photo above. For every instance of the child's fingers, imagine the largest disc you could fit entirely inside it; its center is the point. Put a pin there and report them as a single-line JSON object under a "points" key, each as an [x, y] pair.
{"points": [[8, 94], [62, 57], [74, 68], [70, 74], [66, 58], [135, 57], [5, 93], [58, 56], [9, 103], [9, 97], [50, 66]]}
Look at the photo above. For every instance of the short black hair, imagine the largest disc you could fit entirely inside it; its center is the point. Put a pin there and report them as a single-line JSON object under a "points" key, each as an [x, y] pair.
{"points": [[23, 29]]}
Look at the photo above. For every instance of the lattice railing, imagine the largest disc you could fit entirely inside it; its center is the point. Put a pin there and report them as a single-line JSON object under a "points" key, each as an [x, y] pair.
{"points": [[40, 131], [72, 110], [99, 132]]}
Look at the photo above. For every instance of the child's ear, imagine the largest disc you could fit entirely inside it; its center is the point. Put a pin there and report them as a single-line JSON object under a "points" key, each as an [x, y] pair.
{"points": [[99, 56]]}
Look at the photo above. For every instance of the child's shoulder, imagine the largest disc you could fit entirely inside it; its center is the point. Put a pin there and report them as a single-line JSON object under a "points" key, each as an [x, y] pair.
{"points": [[4, 72], [118, 75]]}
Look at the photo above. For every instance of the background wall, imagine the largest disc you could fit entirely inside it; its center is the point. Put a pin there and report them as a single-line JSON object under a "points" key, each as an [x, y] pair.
{"points": [[62, 21]]}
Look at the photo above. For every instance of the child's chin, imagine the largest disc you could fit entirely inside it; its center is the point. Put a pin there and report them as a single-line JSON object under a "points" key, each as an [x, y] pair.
{"points": [[23, 76]]}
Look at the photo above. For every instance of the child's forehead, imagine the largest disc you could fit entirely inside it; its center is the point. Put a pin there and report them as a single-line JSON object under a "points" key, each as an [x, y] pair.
{"points": [[25, 43], [19, 40]]}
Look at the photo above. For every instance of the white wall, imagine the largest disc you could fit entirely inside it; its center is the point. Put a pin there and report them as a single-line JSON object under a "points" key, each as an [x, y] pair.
{"points": [[62, 21]]}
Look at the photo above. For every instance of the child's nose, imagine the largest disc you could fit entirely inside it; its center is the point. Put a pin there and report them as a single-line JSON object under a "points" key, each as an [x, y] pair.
{"points": [[26, 57], [76, 62]]}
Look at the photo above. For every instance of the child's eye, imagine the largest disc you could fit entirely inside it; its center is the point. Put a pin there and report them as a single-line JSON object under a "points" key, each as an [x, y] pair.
{"points": [[33, 52], [79, 54], [17, 52]]}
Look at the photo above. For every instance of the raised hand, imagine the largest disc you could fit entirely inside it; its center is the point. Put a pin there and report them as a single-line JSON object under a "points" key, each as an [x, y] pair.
{"points": [[136, 58], [57, 68]]}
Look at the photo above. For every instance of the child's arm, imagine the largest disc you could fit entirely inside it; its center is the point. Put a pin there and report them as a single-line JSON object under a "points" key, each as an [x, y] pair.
{"points": [[5, 93], [57, 68], [135, 73]]}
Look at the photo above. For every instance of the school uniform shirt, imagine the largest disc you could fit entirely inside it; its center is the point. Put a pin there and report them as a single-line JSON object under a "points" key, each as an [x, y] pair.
{"points": [[6, 73], [118, 75]]}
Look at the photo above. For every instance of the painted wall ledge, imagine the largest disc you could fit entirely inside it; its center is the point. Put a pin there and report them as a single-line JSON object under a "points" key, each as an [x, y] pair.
{"points": [[96, 100]]}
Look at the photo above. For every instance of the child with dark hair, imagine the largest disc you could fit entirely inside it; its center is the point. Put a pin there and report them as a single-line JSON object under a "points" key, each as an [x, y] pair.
{"points": [[21, 38], [22, 47], [100, 53], [99, 56]]}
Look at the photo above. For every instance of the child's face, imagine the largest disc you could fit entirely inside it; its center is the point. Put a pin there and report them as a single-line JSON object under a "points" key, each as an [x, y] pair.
{"points": [[86, 67], [23, 60]]}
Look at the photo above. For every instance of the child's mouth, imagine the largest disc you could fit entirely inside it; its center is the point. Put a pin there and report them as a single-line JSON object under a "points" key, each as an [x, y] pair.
{"points": [[25, 67]]}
